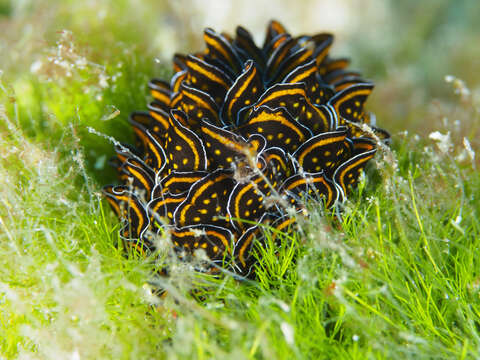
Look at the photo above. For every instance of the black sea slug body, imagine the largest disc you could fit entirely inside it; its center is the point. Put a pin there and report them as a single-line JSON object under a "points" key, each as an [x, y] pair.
{"points": [[238, 136]]}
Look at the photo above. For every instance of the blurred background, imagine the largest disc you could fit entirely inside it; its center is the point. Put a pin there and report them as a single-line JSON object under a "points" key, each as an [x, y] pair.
{"points": [[50, 51]]}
